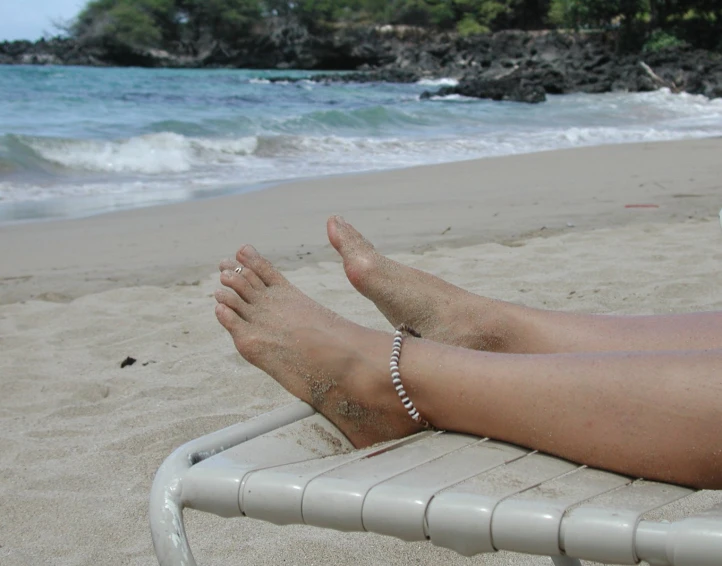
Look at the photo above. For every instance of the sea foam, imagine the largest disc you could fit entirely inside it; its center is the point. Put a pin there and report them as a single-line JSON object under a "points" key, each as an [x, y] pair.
{"points": [[143, 135]]}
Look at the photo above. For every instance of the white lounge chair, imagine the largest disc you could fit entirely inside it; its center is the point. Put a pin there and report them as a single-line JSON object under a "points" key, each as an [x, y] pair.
{"points": [[469, 494]]}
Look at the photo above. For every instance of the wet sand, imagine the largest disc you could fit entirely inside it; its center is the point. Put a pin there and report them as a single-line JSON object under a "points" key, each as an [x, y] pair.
{"points": [[80, 438]]}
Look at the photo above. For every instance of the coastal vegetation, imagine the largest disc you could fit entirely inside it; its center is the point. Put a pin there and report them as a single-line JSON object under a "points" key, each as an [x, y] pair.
{"points": [[520, 50], [189, 25]]}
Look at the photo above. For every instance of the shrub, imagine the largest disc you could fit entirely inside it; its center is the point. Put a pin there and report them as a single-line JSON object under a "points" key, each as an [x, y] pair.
{"points": [[469, 26], [659, 40]]}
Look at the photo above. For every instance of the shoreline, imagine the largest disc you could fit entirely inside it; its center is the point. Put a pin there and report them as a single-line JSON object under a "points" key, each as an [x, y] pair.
{"points": [[90, 209], [70, 412], [498, 199]]}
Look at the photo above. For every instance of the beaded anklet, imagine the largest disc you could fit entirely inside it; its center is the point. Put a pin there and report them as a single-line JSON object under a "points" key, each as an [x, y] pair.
{"points": [[396, 375]]}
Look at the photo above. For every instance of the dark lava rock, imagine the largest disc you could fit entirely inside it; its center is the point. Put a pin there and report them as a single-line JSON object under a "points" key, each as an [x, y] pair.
{"points": [[513, 87], [508, 65]]}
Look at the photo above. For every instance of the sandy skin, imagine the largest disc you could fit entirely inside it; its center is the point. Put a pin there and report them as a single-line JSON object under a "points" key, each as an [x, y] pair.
{"points": [[444, 313], [337, 366], [342, 370]]}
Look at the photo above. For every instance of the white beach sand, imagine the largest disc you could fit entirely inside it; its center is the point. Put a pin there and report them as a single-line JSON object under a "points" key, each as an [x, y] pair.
{"points": [[80, 438]]}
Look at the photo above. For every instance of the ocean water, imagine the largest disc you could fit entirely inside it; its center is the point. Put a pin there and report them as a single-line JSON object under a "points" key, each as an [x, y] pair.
{"points": [[79, 141]]}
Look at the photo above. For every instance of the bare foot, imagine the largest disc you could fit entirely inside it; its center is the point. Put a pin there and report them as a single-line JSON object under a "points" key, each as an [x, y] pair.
{"points": [[338, 367], [438, 310]]}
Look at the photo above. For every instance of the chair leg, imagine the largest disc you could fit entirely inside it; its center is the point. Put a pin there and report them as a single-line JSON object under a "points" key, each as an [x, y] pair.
{"points": [[565, 561], [166, 501]]}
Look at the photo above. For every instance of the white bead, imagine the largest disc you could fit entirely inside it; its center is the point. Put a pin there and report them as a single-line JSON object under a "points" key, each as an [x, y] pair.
{"points": [[396, 379]]}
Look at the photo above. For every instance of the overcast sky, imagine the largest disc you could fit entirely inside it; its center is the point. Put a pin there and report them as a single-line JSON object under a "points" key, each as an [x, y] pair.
{"points": [[29, 19]]}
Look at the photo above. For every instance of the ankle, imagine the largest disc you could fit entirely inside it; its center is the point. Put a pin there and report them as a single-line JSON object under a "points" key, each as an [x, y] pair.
{"points": [[493, 329], [513, 329]]}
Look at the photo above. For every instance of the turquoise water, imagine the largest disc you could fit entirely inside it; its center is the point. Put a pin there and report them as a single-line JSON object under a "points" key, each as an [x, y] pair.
{"points": [[77, 141]]}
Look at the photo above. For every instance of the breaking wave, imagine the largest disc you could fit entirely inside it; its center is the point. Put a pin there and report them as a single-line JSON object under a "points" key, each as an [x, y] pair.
{"points": [[151, 154], [438, 82], [147, 136]]}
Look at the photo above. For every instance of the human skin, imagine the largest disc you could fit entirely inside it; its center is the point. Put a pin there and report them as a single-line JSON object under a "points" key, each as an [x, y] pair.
{"points": [[653, 414], [446, 313]]}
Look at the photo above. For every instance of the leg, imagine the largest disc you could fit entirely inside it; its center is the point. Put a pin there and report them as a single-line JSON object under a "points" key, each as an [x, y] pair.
{"points": [[445, 313], [648, 414]]}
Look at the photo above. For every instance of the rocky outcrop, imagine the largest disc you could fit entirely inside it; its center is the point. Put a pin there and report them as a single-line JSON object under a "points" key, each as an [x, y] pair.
{"points": [[592, 68], [509, 65], [57, 51], [513, 87]]}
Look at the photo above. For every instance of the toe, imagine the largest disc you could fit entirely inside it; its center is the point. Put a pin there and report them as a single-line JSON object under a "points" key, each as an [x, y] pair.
{"points": [[239, 329], [239, 283], [360, 259], [251, 277], [230, 320], [231, 299], [263, 268], [346, 239]]}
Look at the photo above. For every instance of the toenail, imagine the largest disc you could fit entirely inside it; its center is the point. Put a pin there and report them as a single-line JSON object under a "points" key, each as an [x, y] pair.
{"points": [[228, 273]]}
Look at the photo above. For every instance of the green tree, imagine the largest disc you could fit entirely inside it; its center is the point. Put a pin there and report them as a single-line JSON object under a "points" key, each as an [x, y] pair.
{"points": [[590, 13], [132, 23], [139, 24], [221, 20], [698, 22], [467, 16], [193, 25]]}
